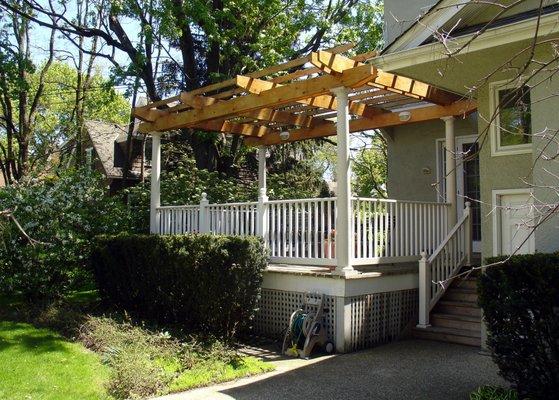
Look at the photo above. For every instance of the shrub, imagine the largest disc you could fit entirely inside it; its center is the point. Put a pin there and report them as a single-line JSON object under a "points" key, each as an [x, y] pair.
{"points": [[520, 300], [493, 393], [64, 214], [206, 283], [145, 363]]}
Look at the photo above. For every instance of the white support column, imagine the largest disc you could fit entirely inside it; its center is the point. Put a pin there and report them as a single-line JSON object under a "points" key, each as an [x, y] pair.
{"points": [[450, 170], [344, 253], [262, 169], [155, 196], [262, 215]]}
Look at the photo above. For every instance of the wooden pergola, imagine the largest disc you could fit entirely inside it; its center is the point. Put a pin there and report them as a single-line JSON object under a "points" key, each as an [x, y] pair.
{"points": [[297, 97], [322, 94]]}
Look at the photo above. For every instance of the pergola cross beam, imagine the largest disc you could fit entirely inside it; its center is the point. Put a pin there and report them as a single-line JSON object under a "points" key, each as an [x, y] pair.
{"points": [[275, 97]]}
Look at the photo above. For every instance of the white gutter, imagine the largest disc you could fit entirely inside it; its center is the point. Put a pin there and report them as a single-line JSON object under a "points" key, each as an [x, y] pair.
{"points": [[498, 36]]}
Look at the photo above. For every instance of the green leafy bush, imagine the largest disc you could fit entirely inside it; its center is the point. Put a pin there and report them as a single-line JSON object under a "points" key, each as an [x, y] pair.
{"points": [[493, 393], [206, 283], [520, 300], [63, 215]]}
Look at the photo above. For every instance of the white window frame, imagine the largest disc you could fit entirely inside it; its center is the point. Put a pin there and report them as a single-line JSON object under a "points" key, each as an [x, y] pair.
{"points": [[496, 148]]}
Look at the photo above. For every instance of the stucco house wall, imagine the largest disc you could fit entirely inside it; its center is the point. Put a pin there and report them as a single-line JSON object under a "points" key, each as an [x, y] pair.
{"points": [[496, 172], [399, 15], [412, 158], [545, 123]]}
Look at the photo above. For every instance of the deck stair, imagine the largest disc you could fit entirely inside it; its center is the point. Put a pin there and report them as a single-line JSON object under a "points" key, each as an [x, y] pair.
{"points": [[456, 318]]}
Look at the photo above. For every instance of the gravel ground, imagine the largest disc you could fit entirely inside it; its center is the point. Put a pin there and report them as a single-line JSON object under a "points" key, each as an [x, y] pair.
{"points": [[410, 369]]}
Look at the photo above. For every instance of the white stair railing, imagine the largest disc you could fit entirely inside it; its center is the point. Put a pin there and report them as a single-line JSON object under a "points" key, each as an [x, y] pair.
{"points": [[437, 271]]}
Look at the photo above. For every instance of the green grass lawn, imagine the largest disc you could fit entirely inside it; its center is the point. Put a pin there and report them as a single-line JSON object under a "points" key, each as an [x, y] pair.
{"points": [[217, 372], [40, 364]]}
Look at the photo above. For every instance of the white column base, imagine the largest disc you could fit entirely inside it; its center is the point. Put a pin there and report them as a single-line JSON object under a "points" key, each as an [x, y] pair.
{"points": [[422, 326], [347, 271]]}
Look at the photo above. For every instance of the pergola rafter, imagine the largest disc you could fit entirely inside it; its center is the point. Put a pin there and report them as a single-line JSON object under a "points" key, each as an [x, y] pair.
{"points": [[299, 97]]}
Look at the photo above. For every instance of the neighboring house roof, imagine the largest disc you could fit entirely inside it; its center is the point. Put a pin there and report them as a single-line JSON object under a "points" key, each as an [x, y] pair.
{"points": [[459, 17], [106, 139]]}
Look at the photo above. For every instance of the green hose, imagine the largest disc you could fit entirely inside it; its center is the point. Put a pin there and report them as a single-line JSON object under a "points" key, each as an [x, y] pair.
{"points": [[297, 329]]}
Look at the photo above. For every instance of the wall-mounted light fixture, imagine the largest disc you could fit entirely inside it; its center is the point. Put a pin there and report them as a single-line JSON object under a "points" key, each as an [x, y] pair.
{"points": [[404, 116]]}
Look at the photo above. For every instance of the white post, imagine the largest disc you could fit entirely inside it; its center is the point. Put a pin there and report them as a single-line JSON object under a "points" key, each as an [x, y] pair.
{"points": [[424, 291], [261, 168], [468, 234], [344, 253], [204, 221], [262, 213], [450, 170], [155, 194]]}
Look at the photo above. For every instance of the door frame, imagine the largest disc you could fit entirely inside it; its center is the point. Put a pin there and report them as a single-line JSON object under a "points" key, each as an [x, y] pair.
{"points": [[460, 203], [497, 221]]}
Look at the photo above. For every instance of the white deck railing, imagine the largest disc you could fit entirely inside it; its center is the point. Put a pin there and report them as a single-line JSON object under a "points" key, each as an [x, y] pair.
{"points": [[386, 229], [178, 219], [232, 218], [304, 231], [437, 271]]}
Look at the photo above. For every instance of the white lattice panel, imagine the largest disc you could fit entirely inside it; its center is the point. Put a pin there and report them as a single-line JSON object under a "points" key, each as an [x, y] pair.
{"points": [[380, 317], [276, 306]]}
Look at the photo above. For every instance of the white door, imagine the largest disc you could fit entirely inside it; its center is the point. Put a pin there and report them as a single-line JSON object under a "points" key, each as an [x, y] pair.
{"points": [[515, 213]]}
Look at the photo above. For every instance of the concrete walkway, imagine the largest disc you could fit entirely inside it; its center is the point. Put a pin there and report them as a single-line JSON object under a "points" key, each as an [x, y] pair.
{"points": [[411, 369]]}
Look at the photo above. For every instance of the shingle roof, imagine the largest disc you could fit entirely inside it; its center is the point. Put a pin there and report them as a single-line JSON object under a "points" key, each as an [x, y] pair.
{"points": [[103, 136]]}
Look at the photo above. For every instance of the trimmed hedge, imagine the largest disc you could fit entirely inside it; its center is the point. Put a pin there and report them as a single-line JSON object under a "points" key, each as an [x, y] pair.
{"points": [[520, 300], [206, 283]]}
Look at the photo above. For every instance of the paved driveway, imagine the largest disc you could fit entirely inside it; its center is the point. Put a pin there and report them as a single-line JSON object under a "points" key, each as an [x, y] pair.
{"points": [[411, 369]]}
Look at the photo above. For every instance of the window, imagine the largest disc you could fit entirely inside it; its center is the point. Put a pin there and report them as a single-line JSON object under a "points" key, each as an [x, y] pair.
{"points": [[512, 125]]}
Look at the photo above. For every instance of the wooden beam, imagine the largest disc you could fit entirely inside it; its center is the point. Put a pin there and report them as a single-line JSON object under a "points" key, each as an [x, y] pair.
{"points": [[459, 108], [257, 86], [336, 64], [234, 128], [278, 96], [149, 112], [264, 114]]}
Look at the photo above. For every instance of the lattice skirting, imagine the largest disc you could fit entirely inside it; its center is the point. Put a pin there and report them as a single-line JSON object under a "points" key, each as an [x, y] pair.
{"points": [[374, 318], [380, 317], [276, 306]]}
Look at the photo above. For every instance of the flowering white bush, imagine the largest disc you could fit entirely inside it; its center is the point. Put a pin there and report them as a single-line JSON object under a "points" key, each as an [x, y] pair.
{"points": [[63, 214]]}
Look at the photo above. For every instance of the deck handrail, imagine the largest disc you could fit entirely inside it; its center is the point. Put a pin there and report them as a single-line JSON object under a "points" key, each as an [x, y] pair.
{"points": [[400, 201]]}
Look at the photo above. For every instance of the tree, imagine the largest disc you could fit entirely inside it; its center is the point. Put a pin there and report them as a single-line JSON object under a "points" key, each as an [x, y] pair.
{"points": [[186, 44], [54, 125], [370, 168], [19, 101]]}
